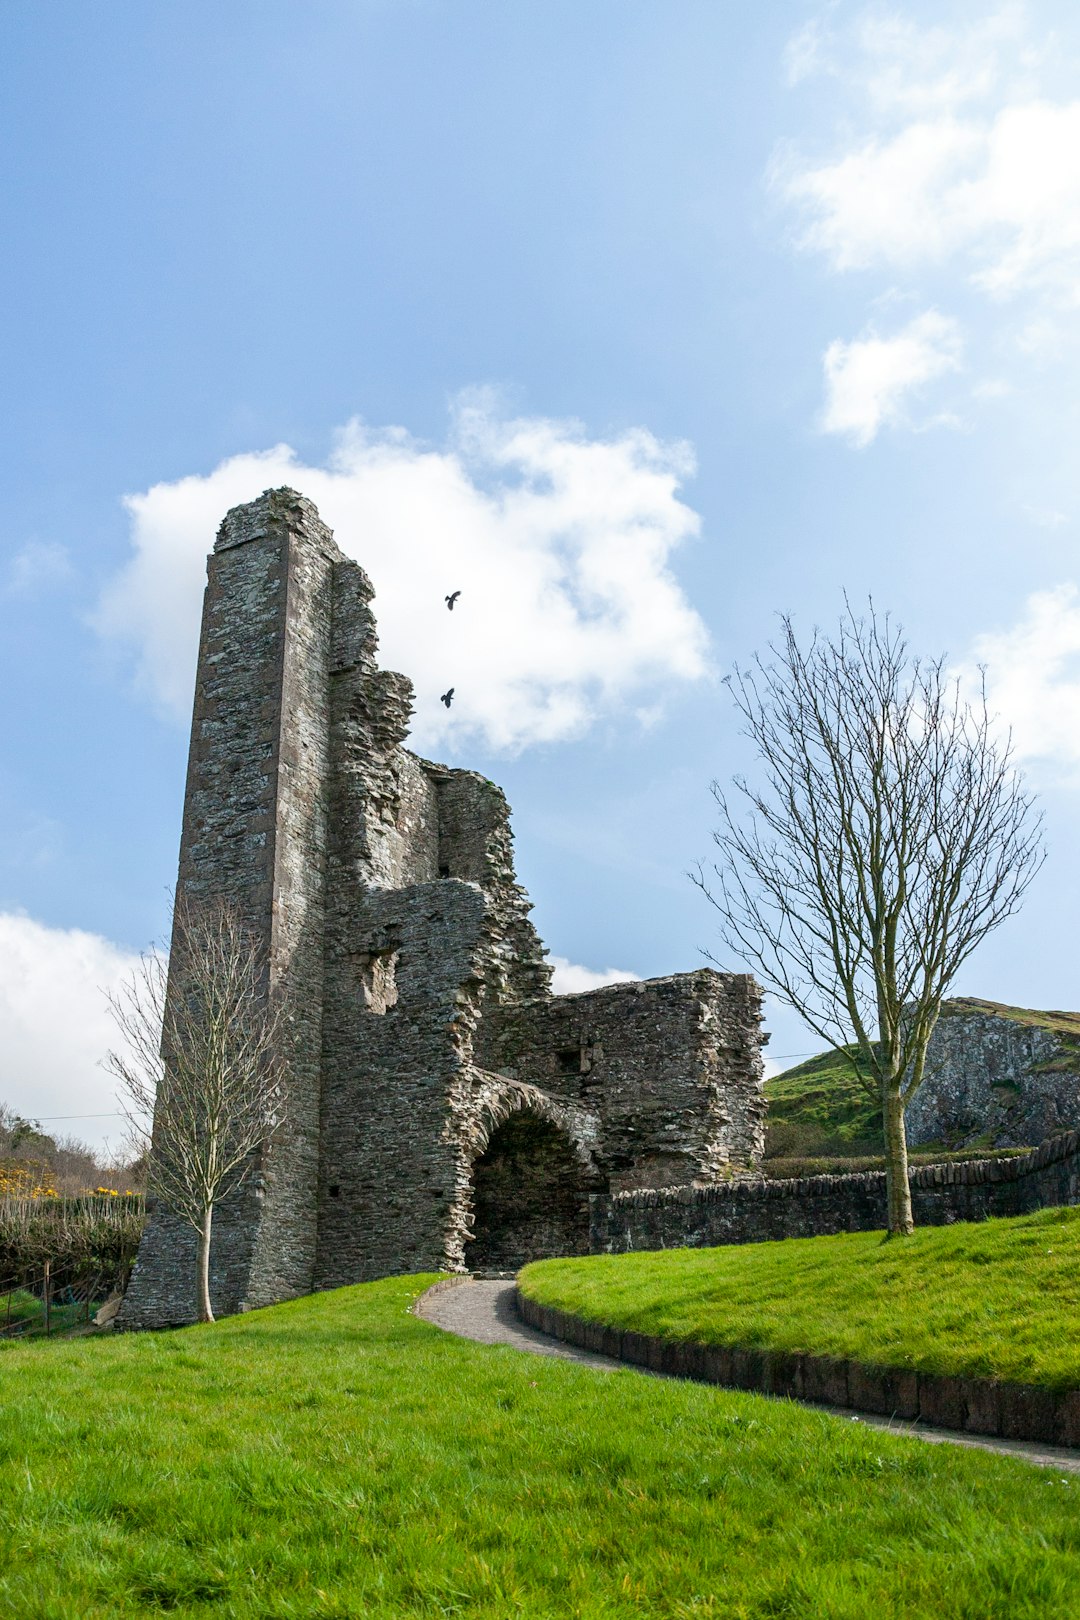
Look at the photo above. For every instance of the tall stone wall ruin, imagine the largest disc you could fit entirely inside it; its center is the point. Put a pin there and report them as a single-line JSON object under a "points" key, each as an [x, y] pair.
{"points": [[444, 1108]]}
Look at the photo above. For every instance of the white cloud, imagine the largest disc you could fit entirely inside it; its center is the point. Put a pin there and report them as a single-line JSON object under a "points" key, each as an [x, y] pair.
{"points": [[910, 69], [55, 1026], [869, 382], [805, 54], [570, 979], [954, 156], [37, 566], [898, 67], [559, 543], [1000, 196], [1046, 517], [1033, 677]]}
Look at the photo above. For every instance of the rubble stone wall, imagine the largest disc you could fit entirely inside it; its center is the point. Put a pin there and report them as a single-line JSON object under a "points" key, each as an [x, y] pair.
{"points": [[672, 1067], [254, 833]]}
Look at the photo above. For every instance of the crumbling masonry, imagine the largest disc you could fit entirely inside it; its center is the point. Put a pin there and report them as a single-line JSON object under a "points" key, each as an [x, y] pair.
{"points": [[446, 1111]]}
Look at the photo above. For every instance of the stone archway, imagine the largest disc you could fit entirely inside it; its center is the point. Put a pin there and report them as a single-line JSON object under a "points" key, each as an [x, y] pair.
{"points": [[530, 1194]]}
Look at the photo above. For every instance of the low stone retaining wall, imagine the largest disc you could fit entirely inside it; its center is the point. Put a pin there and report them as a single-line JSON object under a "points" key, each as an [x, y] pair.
{"points": [[971, 1405], [756, 1210]]}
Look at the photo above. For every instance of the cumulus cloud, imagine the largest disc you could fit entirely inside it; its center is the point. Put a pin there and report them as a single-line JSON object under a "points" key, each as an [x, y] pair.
{"points": [[953, 157], [560, 544], [569, 978], [869, 382], [998, 195], [1033, 678], [55, 1027]]}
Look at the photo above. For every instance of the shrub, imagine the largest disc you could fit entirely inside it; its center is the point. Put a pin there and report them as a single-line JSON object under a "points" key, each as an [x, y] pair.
{"points": [[89, 1242]]}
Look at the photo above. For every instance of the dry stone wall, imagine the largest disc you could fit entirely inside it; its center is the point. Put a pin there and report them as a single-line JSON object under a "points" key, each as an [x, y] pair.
{"points": [[756, 1210]]}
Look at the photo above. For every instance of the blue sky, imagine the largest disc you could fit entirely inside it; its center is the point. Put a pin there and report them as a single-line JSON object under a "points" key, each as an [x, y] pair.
{"points": [[639, 322]]}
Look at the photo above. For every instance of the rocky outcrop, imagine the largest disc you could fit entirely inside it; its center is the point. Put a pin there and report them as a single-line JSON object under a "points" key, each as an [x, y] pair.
{"points": [[997, 1076]]}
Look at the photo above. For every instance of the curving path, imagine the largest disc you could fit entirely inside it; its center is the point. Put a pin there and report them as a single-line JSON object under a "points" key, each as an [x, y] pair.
{"points": [[484, 1311]]}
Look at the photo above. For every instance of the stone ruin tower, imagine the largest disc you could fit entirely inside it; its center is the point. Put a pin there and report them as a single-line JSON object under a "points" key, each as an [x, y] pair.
{"points": [[446, 1111]]}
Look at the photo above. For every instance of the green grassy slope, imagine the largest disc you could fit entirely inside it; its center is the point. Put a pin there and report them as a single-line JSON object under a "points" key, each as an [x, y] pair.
{"points": [[996, 1299], [335, 1457], [818, 1110]]}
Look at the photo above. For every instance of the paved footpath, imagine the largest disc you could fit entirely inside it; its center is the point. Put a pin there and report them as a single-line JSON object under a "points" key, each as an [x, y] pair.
{"points": [[484, 1311]]}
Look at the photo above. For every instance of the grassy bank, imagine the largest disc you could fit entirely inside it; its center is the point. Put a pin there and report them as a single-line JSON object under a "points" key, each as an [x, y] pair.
{"points": [[819, 1113], [819, 1109], [997, 1299], [335, 1457]]}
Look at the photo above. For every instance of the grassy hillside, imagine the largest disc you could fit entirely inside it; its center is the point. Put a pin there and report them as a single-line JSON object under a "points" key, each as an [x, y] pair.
{"points": [[819, 1111], [1065, 1025], [996, 1299], [337, 1458]]}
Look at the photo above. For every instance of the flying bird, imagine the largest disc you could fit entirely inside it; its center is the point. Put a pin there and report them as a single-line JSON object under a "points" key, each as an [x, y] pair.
{"points": [[447, 697], [450, 600]]}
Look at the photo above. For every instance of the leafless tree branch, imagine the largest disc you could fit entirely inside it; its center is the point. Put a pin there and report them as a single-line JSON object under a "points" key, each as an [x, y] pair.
{"points": [[202, 1060], [890, 834]]}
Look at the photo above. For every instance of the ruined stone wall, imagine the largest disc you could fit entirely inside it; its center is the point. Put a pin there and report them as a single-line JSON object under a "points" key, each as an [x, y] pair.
{"points": [[254, 832], [671, 1067], [757, 1211], [476, 844], [441, 1104], [395, 1073], [996, 1076]]}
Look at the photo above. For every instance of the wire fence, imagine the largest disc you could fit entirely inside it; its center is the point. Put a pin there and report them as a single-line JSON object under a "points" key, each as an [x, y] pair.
{"points": [[34, 1306], [62, 1257]]}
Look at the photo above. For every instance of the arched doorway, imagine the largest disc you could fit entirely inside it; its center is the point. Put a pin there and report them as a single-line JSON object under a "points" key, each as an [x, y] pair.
{"points": [[530, 1196]]}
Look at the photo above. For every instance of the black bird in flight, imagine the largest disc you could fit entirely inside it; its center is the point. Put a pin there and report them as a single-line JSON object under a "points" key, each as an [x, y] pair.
{"points": [[447, 697], [450, 600]]}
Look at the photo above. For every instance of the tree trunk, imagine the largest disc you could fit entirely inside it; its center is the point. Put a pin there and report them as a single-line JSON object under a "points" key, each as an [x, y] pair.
{"points": [[206, 1314], [897, 1189]]}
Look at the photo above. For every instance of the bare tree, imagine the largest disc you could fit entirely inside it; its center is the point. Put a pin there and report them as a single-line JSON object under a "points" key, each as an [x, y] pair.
{"points": [[202, 1058], [891, 834]]}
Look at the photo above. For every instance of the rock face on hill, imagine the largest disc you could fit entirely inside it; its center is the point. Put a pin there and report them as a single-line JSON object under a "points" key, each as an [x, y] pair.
{"points": [[997, 1076]]}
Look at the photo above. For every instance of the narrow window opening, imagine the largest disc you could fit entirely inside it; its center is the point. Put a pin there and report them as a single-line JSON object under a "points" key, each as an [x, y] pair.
{"points": [[569, 1061], [334, 1190]]}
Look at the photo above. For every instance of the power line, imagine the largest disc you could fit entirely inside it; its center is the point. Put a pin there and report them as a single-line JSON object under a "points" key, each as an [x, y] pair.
{"points": [[52, 1119]]}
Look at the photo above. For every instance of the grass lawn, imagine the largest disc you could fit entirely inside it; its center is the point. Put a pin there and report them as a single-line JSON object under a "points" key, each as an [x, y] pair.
{"points": [[337, 1457], [996, 1299]]}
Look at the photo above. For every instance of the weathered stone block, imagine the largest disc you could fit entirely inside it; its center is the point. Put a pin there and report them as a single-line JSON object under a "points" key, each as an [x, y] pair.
{"points": [[941, 1400], [1028, 1413]]}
